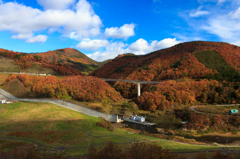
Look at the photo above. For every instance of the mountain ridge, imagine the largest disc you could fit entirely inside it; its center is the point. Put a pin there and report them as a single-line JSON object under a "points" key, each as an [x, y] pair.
{"points": [[171, 63]]}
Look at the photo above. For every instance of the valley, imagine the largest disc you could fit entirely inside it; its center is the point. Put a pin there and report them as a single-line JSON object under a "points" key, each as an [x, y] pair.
{"points": [[174, 80]]}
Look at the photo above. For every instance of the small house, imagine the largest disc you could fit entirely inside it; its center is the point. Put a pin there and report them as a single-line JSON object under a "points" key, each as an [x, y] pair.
{"points": [[137, 118], [140, 119], [133, 117], [233, 111], [2, 101]]}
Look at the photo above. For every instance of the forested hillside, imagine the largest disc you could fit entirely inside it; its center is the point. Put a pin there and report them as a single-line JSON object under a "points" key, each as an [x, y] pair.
{"points": [[25, 61], [196, 61], [82, 88], [171, 93], [209, 73], [182, 60], [64, 61]]}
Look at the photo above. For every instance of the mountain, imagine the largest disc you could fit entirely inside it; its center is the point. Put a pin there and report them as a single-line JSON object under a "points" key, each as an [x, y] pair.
{"points": [[205, 73], [71, 57], [35, 63], [66, 58], [197, 59]]}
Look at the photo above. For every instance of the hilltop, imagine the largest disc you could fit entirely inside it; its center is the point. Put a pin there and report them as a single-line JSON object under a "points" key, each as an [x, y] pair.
{"points": [[198, 59], [71, 57]]}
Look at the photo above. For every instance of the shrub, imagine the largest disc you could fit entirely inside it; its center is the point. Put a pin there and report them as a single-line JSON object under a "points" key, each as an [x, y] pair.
{"points": [[146, 67], [201, 155], [135, 151], [198, 121], [222, 155], [201, 132], [106, 124], [234, 131]]}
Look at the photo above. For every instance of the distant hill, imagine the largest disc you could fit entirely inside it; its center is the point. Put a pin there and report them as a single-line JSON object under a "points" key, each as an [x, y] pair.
{"points": [[197, 59], [72, 58], [35, 63], [59, 60]]}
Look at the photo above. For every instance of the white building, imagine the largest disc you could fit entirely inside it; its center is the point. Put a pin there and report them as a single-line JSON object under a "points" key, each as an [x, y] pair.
{"points": [[4, 102], [133, 117], [137, 118]]}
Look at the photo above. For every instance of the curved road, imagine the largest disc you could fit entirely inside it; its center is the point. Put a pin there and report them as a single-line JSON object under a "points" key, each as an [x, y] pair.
{"points": [[193, 108], [9, 96]]}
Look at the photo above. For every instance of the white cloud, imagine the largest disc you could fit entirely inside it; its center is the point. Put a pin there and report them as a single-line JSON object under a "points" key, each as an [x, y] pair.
{"points": [[38, 38], [1, 2], [55, 4], [221, 1], [30, 38], [112, 50], [226, 26], [22, 36], [140, 47], [124, 31], [74, 36], [92, 44], [82, 21], [198, 13], [235, 15]]}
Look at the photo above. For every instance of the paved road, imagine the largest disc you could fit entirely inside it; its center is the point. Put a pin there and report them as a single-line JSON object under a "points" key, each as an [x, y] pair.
{"points": [[193, 108]]}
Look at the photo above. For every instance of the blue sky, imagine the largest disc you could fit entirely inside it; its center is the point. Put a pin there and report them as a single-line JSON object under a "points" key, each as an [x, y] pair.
{"points": [[103, 29]]}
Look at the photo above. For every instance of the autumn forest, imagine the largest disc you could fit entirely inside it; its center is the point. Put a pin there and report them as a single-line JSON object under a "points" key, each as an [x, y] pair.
{"points": [[192, 73]]}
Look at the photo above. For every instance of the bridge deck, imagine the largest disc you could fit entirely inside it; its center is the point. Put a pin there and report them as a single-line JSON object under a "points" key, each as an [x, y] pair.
{"points": [[131, 81]]}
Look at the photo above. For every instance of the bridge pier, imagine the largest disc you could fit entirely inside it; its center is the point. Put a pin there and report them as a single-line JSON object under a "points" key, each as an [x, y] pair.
{"points": [[133, 81], [138, 89]]}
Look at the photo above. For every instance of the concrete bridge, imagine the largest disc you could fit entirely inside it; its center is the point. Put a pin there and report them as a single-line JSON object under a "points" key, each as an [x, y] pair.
{"points": [[133, 81]]}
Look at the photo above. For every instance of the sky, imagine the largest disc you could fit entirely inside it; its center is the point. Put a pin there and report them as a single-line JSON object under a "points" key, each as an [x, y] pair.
{"points": [[103, 29]]}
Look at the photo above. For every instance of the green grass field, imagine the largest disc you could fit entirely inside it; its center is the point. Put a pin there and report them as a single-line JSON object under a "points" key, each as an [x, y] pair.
{"points": [[45, 116]]}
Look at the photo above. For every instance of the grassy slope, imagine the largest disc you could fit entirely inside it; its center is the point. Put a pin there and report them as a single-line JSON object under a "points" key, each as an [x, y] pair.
{"points": [[17, 89], [25, 115], [8, 65]]}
